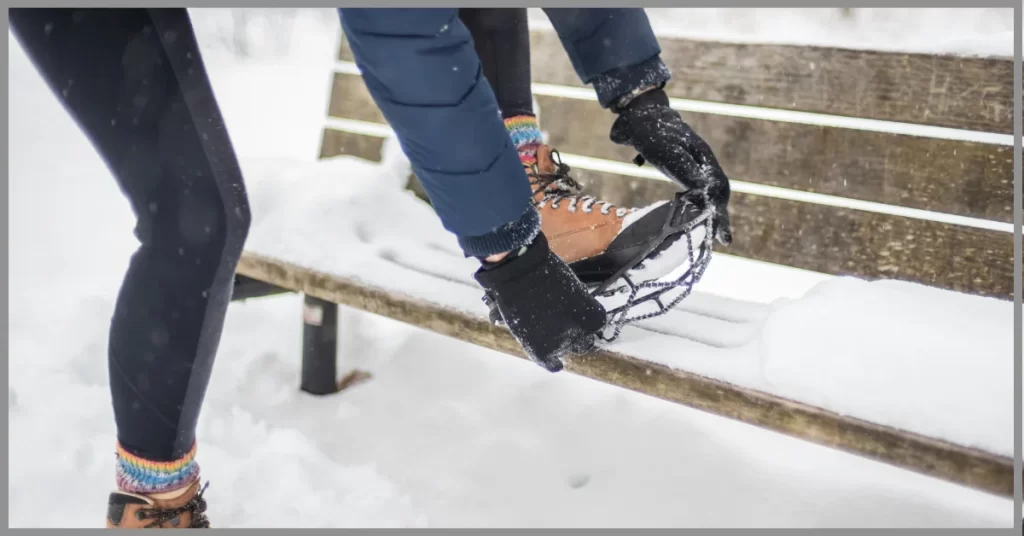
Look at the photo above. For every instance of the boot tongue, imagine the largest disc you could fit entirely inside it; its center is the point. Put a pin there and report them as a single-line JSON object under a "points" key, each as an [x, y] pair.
{"points": [[175, 500], [546, 168], [171, 495], [184, 519], [545, 164]]}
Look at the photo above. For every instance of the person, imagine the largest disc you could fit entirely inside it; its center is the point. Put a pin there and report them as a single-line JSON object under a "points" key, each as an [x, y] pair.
{"points": [[606, 245], [135, 83], [419, 65]]}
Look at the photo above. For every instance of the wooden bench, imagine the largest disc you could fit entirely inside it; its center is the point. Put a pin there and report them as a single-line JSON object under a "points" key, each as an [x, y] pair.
{"points": [[870, 164]]}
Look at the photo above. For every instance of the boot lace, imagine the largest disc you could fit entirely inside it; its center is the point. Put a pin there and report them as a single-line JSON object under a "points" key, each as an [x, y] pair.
{"points": [[559, 187], [196, 507]]}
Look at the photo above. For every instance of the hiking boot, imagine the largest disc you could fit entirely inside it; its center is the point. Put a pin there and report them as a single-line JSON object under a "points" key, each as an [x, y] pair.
{"points": [[612, 250], [603, 243], [134, 511], [595, 237]]}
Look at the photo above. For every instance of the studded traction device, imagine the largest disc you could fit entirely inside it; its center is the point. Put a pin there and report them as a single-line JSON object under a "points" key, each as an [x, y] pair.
{"points": [[684, 217], [666, 247]]}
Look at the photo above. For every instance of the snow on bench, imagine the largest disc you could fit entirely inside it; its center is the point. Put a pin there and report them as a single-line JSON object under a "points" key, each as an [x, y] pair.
{"points": [[846, 163], [902, 373]]}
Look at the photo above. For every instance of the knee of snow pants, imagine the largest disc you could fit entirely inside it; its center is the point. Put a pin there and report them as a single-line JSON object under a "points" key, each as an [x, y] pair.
{"points": [[423, 72], [614, 49]]}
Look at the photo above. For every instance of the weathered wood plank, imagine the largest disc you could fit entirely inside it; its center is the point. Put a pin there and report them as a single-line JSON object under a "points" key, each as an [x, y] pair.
{"points": [[338, 142], [941, 90], [967, 466], [842, 241], [967, 179], [351, 100], [963, 178], [832, 240], [948, 91]]}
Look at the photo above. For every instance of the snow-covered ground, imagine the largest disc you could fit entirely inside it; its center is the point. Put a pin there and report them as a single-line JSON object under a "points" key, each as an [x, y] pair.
{"points": [[446, 434]]}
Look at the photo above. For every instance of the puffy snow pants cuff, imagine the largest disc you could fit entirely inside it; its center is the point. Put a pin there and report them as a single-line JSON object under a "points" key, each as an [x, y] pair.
{"points": [[613, 85], [512, 235]]}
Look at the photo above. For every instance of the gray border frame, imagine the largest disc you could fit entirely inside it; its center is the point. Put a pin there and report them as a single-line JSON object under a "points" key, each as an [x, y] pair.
{"points": [[5, 293], [1017, 283], [1018, 197]]}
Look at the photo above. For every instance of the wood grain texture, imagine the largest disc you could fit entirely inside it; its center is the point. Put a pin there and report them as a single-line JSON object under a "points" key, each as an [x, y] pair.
{"points": [[962, 178], [963, 465], [337, 142], [955, 177], [819, 237], [941, 90], [351, 100], [844, 242]]}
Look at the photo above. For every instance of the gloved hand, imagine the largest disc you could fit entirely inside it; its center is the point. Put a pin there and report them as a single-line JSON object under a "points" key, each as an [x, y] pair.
{"points": [[542, 302], [650, 126]]}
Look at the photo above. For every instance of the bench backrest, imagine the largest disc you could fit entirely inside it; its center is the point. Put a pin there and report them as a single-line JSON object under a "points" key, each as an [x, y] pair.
{"points": [[847, 162]]}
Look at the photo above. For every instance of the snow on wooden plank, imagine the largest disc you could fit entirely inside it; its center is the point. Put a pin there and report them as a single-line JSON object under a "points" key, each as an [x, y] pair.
{"points": [[971, 467], [908, 357]]}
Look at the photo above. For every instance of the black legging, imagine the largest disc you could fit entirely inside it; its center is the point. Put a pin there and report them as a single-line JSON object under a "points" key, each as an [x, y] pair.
{"points": [[501, 37], [134, 82]]}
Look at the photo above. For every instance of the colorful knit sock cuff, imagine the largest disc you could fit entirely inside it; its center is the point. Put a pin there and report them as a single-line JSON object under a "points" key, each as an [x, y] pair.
{"points": [[526, 136], [138, 475]]}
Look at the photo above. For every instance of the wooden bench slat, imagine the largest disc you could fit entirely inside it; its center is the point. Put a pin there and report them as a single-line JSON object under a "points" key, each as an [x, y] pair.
{"points": [[351, 100], [338, 142], [966, 466], [830, 239], [842, 241], [838, 241], [939, 90], [955, 177]]}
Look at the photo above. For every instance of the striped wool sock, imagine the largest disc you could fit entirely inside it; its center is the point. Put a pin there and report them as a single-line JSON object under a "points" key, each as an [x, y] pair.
{"points": [[525, 133], [137, 475]]}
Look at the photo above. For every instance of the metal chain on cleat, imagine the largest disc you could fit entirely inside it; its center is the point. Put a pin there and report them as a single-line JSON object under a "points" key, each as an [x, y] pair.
{"points": [[698, 263]]}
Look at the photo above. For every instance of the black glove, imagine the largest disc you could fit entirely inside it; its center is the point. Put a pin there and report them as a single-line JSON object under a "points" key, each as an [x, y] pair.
{"points": [[658, 133], [543, 303]]}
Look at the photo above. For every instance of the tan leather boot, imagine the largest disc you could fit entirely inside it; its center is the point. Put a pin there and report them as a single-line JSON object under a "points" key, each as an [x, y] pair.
{"points": [[577, 227], [133, 511], [613, 249], [633, 260], [595, 237]]}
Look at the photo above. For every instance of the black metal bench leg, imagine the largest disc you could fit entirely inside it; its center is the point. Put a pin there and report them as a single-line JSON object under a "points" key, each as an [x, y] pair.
{"points": [[319, 346]]}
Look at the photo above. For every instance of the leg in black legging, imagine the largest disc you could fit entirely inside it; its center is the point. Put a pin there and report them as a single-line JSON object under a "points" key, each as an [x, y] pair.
{"points": [[134, 82], [502, 40], [501, 37]]}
